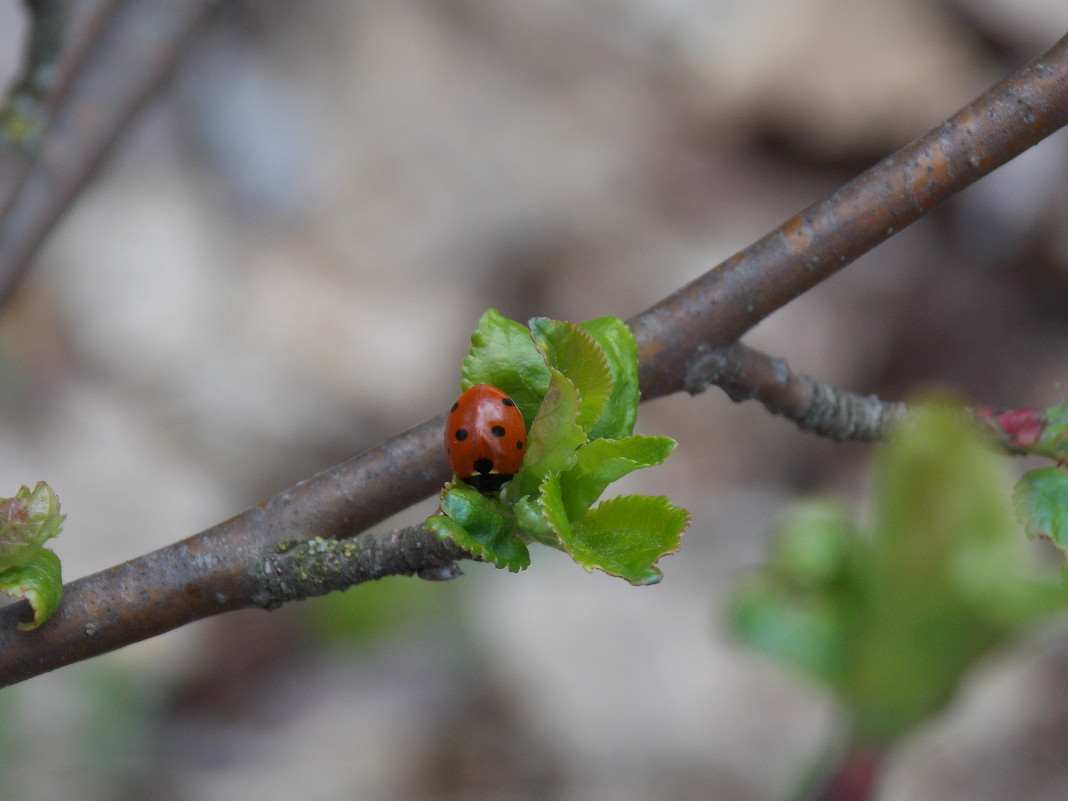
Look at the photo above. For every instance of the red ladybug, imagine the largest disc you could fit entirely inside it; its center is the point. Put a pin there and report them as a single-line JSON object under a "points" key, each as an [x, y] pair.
{"points": [[485, 437]]}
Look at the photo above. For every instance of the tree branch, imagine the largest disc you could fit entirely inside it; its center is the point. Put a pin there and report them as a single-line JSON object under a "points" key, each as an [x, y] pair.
{"points": [[25, 110], [126, 52], [720, 306], [217, 569], [145, 597], [23, 114], [222, 568]]}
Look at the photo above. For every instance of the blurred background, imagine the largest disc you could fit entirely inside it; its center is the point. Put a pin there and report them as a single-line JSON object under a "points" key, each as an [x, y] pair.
{"points": [[282, 266]]}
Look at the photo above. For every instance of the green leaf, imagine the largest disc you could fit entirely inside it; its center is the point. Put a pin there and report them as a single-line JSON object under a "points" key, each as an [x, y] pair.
{"points": [[1053, 440], [804, 632], [616, 341], [814, 546], [1041, 499], [891, 620], [503, 354], [480, 525], [573, 352], [531, 520], [799, 612], [39, 580], [625, 536], [553, 438], [27, 521], [947, 576], [549, 509], [602, 461]]}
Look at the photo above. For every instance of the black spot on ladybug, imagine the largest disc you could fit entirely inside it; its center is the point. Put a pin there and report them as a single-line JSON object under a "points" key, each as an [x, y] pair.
{"points": [[519, 444], [483, 465], [497, 431], [507, 402], [488, 482], [455, 406], [461, 434]]}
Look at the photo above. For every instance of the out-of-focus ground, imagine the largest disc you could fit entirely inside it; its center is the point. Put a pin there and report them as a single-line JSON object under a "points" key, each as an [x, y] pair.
{"points": [[282, 266]]}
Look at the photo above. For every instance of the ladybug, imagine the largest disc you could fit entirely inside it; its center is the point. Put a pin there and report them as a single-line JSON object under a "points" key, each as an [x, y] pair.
{"points": [[485, 437]]}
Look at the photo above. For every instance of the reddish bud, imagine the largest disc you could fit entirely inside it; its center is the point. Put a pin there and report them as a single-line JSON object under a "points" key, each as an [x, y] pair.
{"points": [[1020, 428]]}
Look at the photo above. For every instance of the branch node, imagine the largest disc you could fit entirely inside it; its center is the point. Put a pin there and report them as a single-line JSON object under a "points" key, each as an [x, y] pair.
{"points": [[842, 415]]}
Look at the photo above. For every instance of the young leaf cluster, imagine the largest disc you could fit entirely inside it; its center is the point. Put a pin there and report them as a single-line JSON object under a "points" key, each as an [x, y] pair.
{"points": [[1041, 495], [577, 388], [27, 569], [891, 617]]}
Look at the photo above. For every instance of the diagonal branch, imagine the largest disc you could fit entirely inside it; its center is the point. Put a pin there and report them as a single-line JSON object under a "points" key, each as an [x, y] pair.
{"points": [[119, 59], [223, 568], [219, 569], [720, 306], [23, 114]]}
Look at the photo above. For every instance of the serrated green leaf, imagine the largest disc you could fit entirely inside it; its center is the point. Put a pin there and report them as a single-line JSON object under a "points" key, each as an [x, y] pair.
{"points": [[616, 341], [573, 352], [550, 508], [39, 580], [503, 354], [552, 439], [27, 521], [626, 536], [602, 461], [1041, 500], [479, 524]]}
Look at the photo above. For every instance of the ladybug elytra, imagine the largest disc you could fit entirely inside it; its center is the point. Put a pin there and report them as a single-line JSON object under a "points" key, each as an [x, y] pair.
{"points": [[485, 437]]}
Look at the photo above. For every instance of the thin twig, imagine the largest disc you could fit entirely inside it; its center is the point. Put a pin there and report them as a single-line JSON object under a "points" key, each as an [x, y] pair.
{"points": [[748, 374], [126, 61], [190, 579]]}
